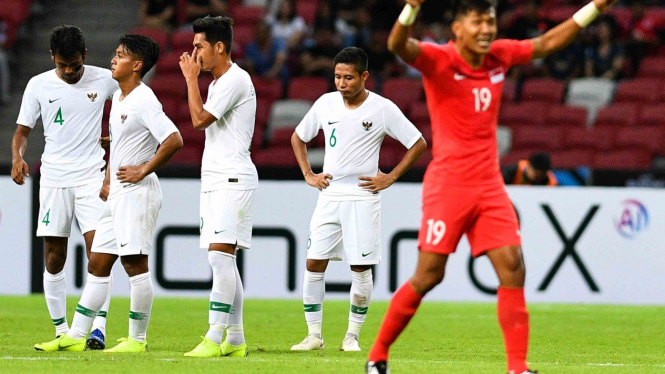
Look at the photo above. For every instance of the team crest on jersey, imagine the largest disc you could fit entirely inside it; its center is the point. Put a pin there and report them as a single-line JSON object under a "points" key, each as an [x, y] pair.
{"points": [[367, 124], [497, 76], [123, 117], [92, 97]]}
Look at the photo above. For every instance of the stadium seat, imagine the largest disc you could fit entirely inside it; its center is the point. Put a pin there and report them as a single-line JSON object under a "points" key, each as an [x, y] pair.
{"points": [[370, 84], [258, 139], [270, 89], [652, 115], [307, 10], [160, 36], [419, 114], [286, 113], [618, 115], [509, 91], [189, 155], [427, 134], [591, 93], [596, 138], [545, 138], [652, 67], [171, 85], [424, 160], [390, 143], [389, 157], [281, 137], [516, 155], [546, 89], [523, 114], [562, 13], [631, 159], [279, 157], [170, 107], [307, 88], [648, 138], [242, 35], [572, 158], [403, 91], [182, 40], [643, 91], [169, 63], [205, 80], [246, 15], [263, 112], [566, 115]]}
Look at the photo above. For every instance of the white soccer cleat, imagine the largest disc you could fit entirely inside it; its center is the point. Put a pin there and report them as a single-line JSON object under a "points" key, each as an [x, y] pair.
{"points": [[310, 343], [380, 367], [350, 344]]}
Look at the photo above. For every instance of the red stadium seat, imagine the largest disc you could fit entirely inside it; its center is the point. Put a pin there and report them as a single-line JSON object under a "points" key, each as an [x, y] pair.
{"points": [[547, 89], [370, 84], [190, 154], [389, 157], [246, 15], [516, 155], [546, 138], [258, 139], [643, 91], [204, 84], [562, 13], [644, 137], [307, 10], [183, 114], [597, 138], [171, 85], [242, 35], [279, 157], [281, 137], [617, 115], [566, 115], [652, 115], [424, 160], [307, 88], [270, 89], [509, 91], [390, 143], [160, 36], [652, 67], [522, 114], [419, 114], [169, 63], [170, 107], [262, 112], [403, 91], [427, 134], [572, 158], [182, 40], [632, 159], [190, 135]]}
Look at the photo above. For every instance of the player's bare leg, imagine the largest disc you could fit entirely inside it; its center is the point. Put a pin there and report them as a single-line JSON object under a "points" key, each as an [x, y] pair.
{"points": [[314, 288], [511, 307], [55, 283], [362, 286], [404, 304]]}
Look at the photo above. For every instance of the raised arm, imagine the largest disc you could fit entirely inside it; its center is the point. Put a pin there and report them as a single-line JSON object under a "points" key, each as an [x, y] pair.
{"points": [[564, 33], [399, 42], [19, 146], [191, 67]]}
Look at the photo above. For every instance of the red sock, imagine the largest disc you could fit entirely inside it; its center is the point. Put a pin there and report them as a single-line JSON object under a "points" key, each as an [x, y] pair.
{"points": [[403, 306], [514, 321]]}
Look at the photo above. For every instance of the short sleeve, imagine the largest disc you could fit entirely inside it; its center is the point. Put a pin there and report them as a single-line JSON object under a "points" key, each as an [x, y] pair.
{"points": [[30, 108], [223, 99], [429, 57], [513, 52], [399, 127], [156, 121], [310, 125]]}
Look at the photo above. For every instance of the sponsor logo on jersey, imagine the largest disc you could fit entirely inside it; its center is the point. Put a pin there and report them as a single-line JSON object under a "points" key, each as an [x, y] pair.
{"points": [[367, 125], [332, 122], [497, 76], [631, 219], [53, 101], [92, 97], [123, 117]]}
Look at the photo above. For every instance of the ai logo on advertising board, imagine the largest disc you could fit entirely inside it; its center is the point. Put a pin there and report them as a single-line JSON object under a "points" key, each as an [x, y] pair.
{"points": [[631, 219]]}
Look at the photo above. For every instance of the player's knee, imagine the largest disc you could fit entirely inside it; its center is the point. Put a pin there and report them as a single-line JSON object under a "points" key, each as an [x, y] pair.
{"points": [[134, 266], [98, 269], [55, 260], [317, 266], [425, 282]]}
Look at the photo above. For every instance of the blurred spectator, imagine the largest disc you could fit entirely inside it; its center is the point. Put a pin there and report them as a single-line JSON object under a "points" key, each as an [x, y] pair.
{"points": [[319, 59], [287, 26], [381, 63], [536, 171], [4, 66], [530, 24], [643, 33], [196, 9], [384, 13], [158, 14], [565, 64], [327, 16], [265, 56], [606, 59]]}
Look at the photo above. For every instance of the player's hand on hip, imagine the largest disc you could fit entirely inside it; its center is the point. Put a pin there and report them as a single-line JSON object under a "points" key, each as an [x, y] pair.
{"points": [[379, 182], [104, 193], [105, 142], [319, 181], [190, 65], [20, 171], [603, 5], [130, 174]]}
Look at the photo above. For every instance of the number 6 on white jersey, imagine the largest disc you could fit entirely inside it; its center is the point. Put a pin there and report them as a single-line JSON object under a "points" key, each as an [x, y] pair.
{"points": [[437, 229]]}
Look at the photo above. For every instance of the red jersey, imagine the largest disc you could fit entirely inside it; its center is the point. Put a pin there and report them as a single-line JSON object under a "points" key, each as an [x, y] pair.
{"points": [[464, 105]]}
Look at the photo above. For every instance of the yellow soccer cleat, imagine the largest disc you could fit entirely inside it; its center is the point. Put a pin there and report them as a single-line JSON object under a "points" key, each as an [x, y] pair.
{"points": [[229, 350], [207, 348], [62, 343], [128, 345]]}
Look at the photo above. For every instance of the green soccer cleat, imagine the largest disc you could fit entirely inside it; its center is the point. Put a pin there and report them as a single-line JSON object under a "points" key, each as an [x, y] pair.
{"points": [[207, 348], [230, 350], [128, 345], [62, 343]]}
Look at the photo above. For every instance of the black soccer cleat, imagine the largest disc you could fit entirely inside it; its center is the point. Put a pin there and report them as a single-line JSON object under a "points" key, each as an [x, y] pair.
{"points": [[527, 371], [380, 367]]}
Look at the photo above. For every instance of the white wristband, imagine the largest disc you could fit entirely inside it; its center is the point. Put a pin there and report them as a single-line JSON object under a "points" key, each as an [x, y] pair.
{"points": [[586, 15], [408, 15]]}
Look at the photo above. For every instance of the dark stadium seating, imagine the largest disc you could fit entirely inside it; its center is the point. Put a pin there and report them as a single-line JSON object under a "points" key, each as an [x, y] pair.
{"points": [[307, 88], [641, 91], [160, 36], [545, 138], [403, 91], [566, 115], [572, 158], [618, 115], [652, 115], [649, 138], [547, 90], [523, 114], [181, 41], [652, 67], [596, 139], [637, 159]]}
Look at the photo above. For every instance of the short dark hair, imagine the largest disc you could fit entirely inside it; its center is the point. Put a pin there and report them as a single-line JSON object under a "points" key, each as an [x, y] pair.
{"points": [[462, 7], [216, 29], [353, 56], [67, 41], [540, 161], [142, 48]]}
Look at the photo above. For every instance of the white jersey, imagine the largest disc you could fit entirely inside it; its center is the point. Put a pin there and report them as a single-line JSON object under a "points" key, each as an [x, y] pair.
{"points": [[137, 125], [226, 158], [72, 118], [353, 140]]}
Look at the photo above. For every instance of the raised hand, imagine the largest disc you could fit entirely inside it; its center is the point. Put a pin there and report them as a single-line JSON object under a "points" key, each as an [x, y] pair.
{"points": [[190, 65]]}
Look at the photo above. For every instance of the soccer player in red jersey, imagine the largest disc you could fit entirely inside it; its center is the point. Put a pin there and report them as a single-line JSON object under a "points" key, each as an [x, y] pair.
{"points": [[463, 191]]}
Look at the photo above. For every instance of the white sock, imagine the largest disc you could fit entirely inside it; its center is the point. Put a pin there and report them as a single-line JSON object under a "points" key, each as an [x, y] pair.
{"points": [[100, 320], [222, 294], [95, 292], [361, 293], [314, 289], [234, 332], [55, 292], [140, 304]]}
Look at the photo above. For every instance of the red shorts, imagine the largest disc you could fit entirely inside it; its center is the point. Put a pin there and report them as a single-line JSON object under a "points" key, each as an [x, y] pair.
{"points": [[484, 213]]}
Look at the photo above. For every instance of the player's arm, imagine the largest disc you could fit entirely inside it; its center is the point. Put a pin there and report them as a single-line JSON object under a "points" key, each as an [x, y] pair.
{"points": [[19, 146], [382, 181], [399, 42], [166, 150], [564, 33], [319, 181], [191, 68], [106, 186]]}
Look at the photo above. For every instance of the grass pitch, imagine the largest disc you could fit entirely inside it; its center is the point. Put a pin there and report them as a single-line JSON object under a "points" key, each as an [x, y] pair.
{"points": [[442, 338]]}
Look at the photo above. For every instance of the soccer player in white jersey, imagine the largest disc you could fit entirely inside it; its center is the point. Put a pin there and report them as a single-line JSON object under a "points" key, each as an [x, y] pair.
{"points": [[70, 100], [137, 127], [347, 217], [228, 177]]}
